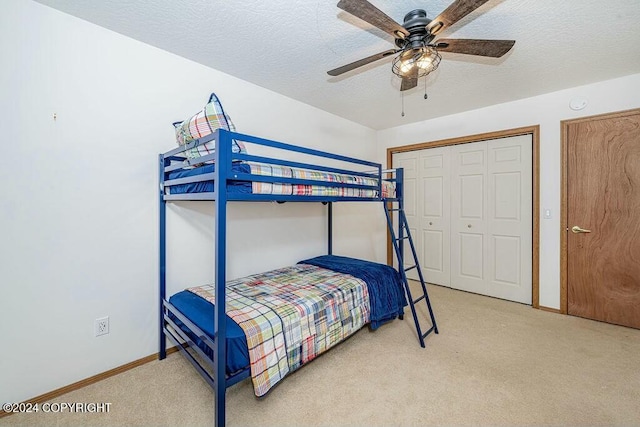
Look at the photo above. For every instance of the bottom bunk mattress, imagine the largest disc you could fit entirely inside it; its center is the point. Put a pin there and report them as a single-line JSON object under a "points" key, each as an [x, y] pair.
{"points": [[201, 313], [279, 320]]}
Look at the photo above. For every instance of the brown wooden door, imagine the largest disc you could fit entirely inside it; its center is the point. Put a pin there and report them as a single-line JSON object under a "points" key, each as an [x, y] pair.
{"points": [[603, 196]]}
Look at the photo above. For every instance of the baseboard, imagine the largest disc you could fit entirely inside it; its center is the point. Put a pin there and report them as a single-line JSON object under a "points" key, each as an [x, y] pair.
{"points": [[549, 309], [91, 380]]}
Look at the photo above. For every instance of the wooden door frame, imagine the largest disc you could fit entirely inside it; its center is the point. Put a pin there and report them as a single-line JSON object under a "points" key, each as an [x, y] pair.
{"points": [[534, 131], [564, 188]]}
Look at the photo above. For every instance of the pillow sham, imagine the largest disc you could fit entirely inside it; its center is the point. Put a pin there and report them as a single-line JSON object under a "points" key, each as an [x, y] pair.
{"points": [[204, 123]]}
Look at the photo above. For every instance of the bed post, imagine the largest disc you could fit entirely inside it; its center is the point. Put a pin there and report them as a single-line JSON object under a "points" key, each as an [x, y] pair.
{"points": [[330, 235], [162, 352], [223, 163]]}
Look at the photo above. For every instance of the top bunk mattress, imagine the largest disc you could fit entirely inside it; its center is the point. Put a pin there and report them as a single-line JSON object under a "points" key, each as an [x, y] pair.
{"points": [[255, 187]]}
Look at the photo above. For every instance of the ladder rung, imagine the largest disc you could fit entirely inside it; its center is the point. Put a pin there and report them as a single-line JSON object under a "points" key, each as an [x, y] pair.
{"points": [[431, 329], [393, 209], [402, 238], [410, 268], [418, 299]]}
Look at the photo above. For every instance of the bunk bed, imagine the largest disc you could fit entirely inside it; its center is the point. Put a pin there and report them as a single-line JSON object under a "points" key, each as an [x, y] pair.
{"points": [[204, 322]]}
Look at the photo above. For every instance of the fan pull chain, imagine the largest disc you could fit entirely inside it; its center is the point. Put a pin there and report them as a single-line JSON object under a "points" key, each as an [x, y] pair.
{"points": [[425, 88], [402, 96]]}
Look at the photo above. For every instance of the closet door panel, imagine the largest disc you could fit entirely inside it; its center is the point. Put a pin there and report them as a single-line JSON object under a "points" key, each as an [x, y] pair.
{"points": [[435, 186], [510, 219], [468, 217]]}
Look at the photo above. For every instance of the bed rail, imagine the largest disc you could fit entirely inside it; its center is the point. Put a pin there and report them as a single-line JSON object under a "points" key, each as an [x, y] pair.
{"points": [[224, 158], [183, 342]]}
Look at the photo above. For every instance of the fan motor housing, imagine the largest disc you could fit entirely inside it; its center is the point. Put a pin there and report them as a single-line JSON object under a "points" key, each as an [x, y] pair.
{"points": [[415, 22]]}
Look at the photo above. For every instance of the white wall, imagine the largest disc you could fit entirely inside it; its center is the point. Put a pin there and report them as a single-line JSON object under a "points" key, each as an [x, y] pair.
{"points": [[547, 111], [78, 206]]}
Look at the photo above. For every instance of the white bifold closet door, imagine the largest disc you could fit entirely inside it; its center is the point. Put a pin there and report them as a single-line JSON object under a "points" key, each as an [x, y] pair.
{"points": [[473, 215], [410, 166], [434, 215]]}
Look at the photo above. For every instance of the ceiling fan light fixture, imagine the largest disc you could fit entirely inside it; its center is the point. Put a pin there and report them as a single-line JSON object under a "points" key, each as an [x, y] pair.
{"points": [[407, 61], [425, 62], [417, 62], [406, 67]]}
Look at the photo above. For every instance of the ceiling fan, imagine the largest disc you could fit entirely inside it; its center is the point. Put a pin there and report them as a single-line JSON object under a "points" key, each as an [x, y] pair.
{"points": [[418, 52]]}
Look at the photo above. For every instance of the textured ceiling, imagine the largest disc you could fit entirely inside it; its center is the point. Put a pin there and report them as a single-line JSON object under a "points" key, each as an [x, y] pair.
{"points": [[287, 46]]}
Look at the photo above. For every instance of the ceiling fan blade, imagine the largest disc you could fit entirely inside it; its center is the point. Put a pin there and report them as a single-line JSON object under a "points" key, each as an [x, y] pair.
{"points": [[455, 12], [361, 62], [493, 48], [374, 16], [410, 81]]}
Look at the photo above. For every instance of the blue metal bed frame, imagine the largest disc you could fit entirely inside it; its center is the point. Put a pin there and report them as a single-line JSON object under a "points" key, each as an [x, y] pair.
{"points": [[223, 157]]}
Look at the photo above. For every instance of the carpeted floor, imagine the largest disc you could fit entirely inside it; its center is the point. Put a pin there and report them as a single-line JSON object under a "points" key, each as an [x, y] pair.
{"points": [[494, 363]]}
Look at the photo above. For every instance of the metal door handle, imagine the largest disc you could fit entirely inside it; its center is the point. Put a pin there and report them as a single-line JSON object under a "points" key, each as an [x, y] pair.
{"points": [[578, 230]]}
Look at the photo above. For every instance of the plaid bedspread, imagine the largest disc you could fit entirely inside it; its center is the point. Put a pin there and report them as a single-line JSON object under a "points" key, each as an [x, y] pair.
{"points": [[388, 189], [291, 315]]}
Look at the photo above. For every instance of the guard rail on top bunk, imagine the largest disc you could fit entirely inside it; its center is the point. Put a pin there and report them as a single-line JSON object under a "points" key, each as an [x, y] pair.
{"points": [[223, 157]]}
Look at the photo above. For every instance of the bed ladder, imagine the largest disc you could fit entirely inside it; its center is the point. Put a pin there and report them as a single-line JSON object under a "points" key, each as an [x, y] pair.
{"points": [[405, 234]]}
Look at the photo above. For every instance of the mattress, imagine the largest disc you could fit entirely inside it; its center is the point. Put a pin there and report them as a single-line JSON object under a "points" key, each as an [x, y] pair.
{"points": [[328, 298], [280, 188], [201, 313]]}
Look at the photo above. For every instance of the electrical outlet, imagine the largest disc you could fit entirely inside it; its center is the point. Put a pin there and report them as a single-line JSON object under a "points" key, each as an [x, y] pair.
{"points": [[101, 326]]}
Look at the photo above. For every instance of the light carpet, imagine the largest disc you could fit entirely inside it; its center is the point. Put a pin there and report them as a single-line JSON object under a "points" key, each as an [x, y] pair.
{"points": [[494, 363]]}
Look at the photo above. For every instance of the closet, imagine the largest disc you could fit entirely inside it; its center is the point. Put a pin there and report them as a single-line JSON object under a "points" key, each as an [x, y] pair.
{"points": [[470, 210]]}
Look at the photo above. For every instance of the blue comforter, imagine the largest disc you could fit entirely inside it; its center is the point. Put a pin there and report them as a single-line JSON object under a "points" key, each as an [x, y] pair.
{"points": [[386, 294], [208, 186]]}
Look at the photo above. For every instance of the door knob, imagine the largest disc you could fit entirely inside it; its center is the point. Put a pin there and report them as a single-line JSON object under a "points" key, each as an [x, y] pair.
{"points": [[578, 230]]}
